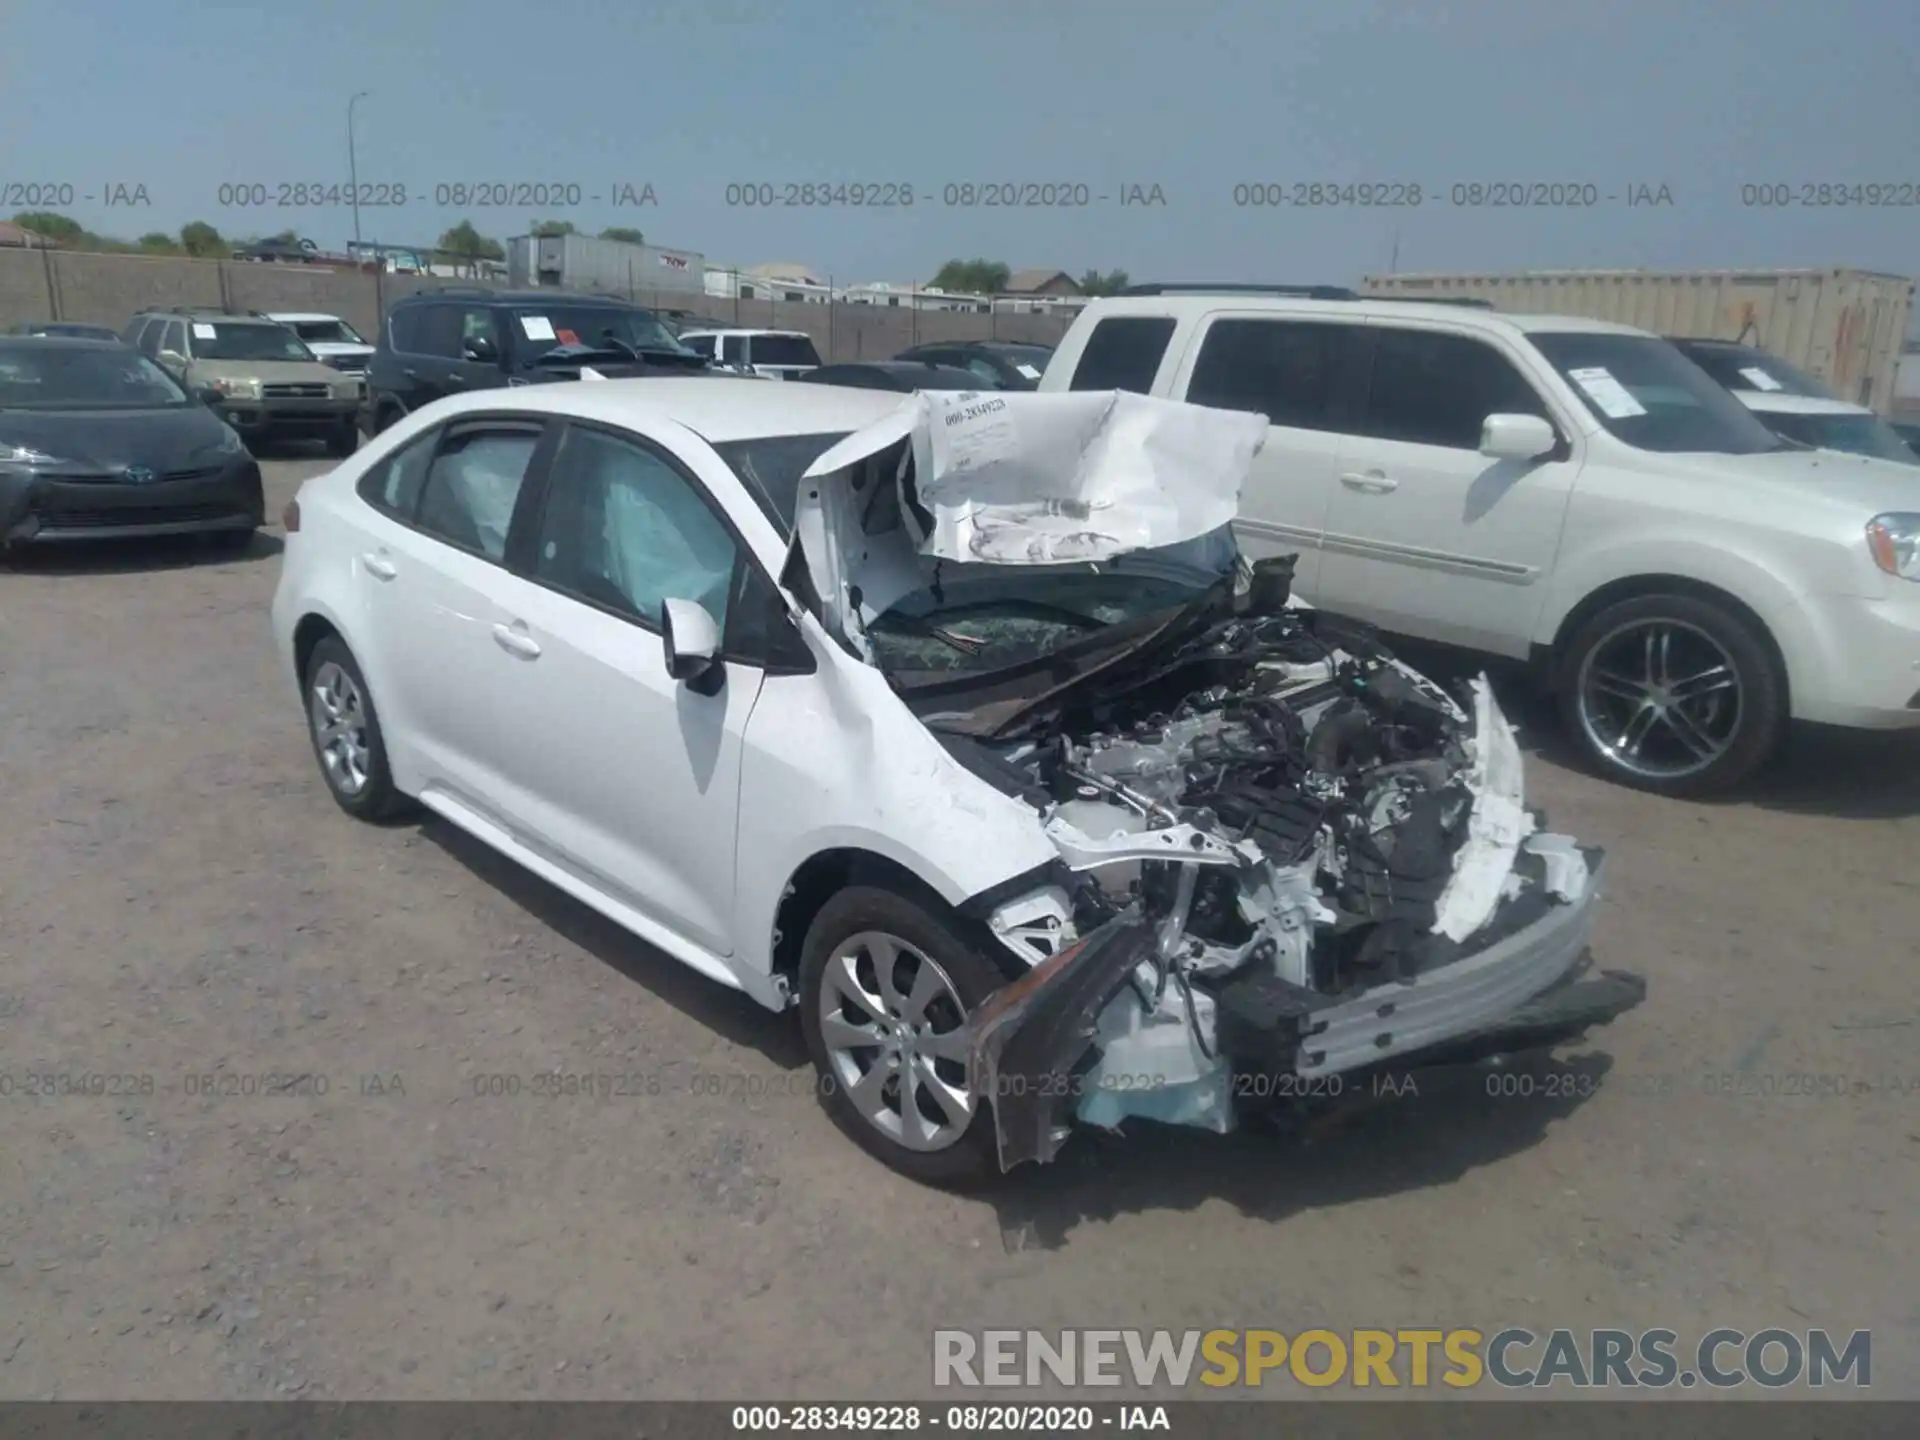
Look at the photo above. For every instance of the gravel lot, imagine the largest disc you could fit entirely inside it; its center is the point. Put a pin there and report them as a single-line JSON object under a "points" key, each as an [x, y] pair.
{"points": [[179, 897]]}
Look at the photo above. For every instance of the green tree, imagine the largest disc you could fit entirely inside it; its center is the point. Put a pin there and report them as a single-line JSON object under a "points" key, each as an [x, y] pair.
{"points": [[158, 242], [973, 277], [551, 227], [60, 229], [1094, 283], [623, 232], [202, 241], [467, 246]]}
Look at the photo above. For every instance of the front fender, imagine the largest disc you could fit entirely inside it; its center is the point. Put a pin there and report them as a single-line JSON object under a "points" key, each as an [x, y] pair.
{"points": [[1738, 566]]}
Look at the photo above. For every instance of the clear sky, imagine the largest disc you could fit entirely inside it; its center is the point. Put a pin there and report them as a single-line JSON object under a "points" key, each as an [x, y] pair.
{"points": [[1195, 96]]}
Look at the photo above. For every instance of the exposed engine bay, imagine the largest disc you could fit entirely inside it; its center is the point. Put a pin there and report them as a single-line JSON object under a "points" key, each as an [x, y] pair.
{"points": [[1267, 825]]}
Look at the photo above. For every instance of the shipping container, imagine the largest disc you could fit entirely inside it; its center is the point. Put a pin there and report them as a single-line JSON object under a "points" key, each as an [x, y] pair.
{"points": [[603, 267], [1846, 326]]}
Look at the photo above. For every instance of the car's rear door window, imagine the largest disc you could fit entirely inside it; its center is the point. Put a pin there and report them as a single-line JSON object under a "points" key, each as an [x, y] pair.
{"points": [[468, 495], [1295, 372], [1123, 353], [394, 484]]}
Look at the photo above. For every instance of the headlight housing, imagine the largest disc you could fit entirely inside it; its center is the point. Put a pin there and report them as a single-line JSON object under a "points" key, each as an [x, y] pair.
{"points": [[237, 389], [27, 455], [347, 389], [1894, 541]]}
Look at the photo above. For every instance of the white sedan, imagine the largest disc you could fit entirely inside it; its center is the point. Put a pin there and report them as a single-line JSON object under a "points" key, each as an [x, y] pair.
{"points": [[955, 722]]}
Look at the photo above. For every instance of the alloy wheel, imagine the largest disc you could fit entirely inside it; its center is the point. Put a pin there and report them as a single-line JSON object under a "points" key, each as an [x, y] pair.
{"points": [[1660, 698], [893, 1027], [339, 720]]}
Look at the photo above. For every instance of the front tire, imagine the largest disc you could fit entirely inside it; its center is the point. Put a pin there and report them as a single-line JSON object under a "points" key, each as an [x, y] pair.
{"points": [[886, 984], [1675, 694], [345, 730]]}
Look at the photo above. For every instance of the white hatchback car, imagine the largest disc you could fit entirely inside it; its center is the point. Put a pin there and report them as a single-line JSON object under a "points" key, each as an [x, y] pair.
{"points": [[955, 721]]}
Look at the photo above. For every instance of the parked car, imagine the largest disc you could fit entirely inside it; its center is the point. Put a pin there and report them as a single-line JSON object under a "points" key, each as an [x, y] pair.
{"points": [[1748, 368], [1007, 364], [1829, 425], [335, 341], [1549, 488], [1036, 822], [96, 442], [271, 386], [775, 354], [461, 339], [900, 376], [69, 329]]}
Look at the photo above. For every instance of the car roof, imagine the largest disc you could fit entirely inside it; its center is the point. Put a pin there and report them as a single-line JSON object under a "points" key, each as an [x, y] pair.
{"points": [[68, 342], [718, 408], [903, 367], [300, 316], [483, 296], [978, 345], [1778, 402], [743, 330], [1458, 317]]}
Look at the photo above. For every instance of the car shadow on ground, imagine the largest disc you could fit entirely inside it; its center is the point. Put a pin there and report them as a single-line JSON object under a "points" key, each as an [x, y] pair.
{"points": [[126, 556], [727, 1012], [1415, 1132], [1424, 1129], [1820, 770]]}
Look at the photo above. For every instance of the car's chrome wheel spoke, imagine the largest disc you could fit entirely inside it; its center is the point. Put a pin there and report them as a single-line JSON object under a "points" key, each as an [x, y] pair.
{"points": [[892, 1025], [1660, 698], [339, 729]]}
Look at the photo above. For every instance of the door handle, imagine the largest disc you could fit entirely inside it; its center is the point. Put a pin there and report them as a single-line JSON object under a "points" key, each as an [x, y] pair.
{"points": [[516, 641], [456, 378], [411, 373], [1373, 482], [379, 568]]}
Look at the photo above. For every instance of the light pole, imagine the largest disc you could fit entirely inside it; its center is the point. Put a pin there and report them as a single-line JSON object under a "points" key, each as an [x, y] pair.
{"points": [[353, 168]]}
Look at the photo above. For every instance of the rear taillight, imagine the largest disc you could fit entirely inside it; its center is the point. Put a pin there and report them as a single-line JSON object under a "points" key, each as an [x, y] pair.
{"points": [[290, 517]]}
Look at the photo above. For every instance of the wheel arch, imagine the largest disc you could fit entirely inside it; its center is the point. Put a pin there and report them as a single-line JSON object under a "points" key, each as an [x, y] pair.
{"points": [[1630, 587], [827, 872], [313, 627]]}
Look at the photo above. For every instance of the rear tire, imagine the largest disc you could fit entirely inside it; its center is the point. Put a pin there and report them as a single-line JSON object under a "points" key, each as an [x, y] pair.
{"points": [[1674, 694], [344, 729], [870, 1006]]}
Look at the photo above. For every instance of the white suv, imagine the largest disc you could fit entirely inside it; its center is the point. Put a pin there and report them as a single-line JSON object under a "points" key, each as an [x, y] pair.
{"points": [[1561, 490], [771, 354]]}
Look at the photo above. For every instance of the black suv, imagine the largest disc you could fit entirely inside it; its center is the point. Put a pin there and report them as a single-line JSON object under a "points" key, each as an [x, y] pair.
{"points": [[447, 342]]}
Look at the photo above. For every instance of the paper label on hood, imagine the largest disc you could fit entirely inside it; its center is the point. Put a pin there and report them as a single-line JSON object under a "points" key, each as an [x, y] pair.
{"points": [[1760, 379], [1606, 392], [536, 327], [203, 331], [1027, 370]]}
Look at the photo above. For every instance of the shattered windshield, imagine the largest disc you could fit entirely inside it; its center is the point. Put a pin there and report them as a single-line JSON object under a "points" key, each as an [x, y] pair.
{"points": [[970, 619]]}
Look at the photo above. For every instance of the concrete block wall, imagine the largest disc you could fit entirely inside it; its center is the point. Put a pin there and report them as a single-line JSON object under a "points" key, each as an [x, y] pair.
{"points": [[108, 289]]}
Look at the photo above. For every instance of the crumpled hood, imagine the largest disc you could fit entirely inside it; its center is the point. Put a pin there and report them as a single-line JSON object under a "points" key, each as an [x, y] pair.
{"points": [[1015, 478]]}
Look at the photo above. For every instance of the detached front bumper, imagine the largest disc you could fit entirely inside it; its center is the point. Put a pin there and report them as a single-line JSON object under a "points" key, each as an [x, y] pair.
{"points": [[1035, 1043]]}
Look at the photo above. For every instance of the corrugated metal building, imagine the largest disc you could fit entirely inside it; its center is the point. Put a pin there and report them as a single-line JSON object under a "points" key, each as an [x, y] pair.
{"points": [[1846, 326], [603, 267]]}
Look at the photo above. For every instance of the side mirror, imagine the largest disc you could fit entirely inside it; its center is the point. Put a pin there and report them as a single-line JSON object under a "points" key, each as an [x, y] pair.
{"points": [[171, 357], [1516, 437], [692, 642], [482, 350]]}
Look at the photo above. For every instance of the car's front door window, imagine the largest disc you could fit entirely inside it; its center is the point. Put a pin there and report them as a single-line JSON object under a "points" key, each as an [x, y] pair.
{"points": [[627, 531], [1431, 388]]}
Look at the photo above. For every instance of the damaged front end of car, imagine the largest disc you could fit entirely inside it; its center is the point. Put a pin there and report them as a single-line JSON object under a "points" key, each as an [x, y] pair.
{"points": [[1286, 860]]}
